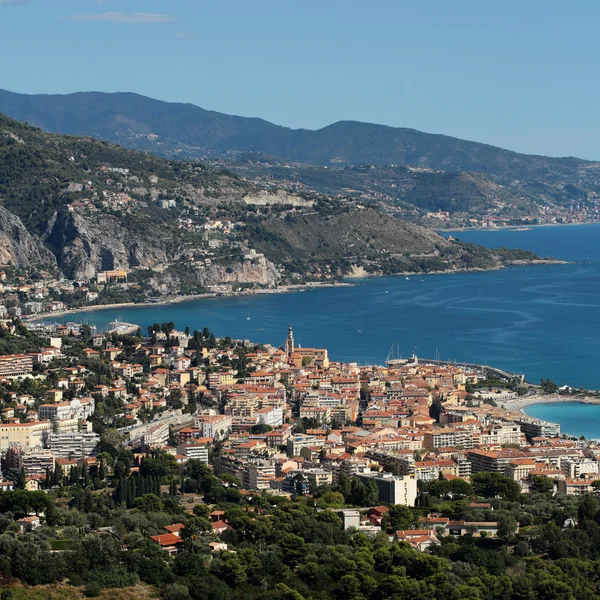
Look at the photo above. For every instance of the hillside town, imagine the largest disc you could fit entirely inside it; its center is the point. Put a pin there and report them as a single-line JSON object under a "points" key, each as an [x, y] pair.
{"points": [[287, 421]]}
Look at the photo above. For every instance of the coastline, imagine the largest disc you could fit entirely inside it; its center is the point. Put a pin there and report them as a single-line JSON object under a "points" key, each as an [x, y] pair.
{"points": [[511, 227], [519, 404], [286, 289], [178, 299]]}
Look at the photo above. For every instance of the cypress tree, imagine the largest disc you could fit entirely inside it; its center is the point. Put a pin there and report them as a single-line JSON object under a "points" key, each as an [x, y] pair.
{"points": [[129, 493]]}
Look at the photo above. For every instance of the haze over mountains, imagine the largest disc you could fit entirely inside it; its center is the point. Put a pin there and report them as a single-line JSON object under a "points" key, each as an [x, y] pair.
{"points": [[188, 131]]}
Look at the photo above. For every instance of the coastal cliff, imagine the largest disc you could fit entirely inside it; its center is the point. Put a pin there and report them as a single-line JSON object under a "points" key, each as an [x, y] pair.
{"points": [[175, 227]]}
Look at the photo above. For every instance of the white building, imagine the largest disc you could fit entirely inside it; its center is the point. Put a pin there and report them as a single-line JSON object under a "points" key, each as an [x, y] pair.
{"points": [[78, 408], [270, 416], [216, 427], [73, 444], [393, 489], [194, 451]]}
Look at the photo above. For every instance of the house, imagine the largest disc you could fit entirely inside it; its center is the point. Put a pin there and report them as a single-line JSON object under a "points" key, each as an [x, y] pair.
{"points": [[219, 527], [218, 547], [169, 542], [175, 529], [420, 539], [28, 523]]}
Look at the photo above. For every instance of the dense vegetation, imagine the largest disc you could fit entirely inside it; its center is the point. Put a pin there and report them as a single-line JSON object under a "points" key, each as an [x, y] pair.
{"points": [[548, 547], [58, 186]]}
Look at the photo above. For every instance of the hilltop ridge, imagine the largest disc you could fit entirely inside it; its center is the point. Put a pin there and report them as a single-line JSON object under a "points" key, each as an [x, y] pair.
{"points": [[89, 206], [186, 130]]}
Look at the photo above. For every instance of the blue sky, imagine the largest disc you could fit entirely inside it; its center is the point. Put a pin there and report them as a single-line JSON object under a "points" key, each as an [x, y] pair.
{"points": [[517, 74]]}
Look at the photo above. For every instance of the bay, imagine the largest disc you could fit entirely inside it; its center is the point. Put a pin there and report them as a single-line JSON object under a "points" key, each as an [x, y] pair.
{"points": [[575, 418], [543, 321]]}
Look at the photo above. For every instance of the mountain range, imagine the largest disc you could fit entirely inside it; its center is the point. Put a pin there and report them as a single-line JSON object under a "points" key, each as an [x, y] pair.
{"points": [[84, 206], [188, 131]]}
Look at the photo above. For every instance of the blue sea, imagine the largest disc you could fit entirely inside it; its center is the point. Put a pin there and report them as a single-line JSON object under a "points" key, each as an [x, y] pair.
{"points": [[575, 418], [543, 321]]}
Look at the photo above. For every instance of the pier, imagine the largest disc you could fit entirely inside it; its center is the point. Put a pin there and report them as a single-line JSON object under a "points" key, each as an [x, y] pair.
{"points": [[477, 368]]}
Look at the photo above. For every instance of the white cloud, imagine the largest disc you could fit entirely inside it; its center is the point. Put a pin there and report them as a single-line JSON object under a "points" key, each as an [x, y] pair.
{"points": [[187, 35], [120, 17]]}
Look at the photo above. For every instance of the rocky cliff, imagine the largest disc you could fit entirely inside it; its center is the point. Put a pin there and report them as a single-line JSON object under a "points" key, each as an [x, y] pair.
{"points": [[85, 245], [18, 247]]}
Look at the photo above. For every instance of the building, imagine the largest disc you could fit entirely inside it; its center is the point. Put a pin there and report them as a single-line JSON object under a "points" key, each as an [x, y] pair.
{"points": [[272, 416], [289, 342], [216, 427], [35, 461], [73, 444], [27, 435], [393, 489], [258, 474], [15, 365], [448, 438], [196, 451], [575, 487], [537, 428], [574, 468], [157, 434], [483, 460]]}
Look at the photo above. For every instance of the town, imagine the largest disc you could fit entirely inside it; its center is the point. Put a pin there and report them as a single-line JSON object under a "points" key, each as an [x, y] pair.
{"points": [[288, 421]]}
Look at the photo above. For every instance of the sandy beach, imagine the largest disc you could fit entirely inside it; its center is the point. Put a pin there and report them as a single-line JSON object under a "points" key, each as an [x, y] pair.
{"points": [[519, 404]]}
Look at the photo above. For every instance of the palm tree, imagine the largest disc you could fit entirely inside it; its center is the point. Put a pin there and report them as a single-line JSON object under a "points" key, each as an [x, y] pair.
{"points": [[195, 536]]}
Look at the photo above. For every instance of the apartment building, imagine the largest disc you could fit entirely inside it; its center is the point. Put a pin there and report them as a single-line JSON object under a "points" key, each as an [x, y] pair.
{"points": [[393, 489], [537, 428], [28, 435], [448, 438], [73, 444], [216, 427], [270, 416], [15, 365], [195, 450]]}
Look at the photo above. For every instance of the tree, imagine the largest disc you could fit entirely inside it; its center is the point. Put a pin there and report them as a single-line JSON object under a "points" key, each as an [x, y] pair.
{"points": [[490, 485], [507, 527], [400, 517], [194, 536], [148, 503], [175, 591], [260, 428], [358, 492], [372, 493], [542, 484]]}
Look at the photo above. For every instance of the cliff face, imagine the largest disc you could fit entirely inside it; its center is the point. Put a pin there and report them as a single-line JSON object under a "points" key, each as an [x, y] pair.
{"points": [[18, 247], [84, 246], [259, 271]]}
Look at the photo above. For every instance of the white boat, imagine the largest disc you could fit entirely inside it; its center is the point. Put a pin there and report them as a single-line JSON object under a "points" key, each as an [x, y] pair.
{"points": [[248, 317]]}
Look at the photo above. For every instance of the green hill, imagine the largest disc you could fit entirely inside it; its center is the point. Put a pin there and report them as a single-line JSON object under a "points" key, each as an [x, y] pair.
{"points": [[89, 205]]}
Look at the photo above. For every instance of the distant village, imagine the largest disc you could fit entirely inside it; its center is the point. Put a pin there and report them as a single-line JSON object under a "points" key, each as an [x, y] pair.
{"points": [[287, 420]]}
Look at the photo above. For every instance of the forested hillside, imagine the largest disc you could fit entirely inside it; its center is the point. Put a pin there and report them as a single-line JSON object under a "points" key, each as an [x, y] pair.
{"points": [[88, 205]]}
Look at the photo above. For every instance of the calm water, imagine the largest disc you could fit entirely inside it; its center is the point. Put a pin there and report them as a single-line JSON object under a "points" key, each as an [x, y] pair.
{"points": [[575, 418], [543, 321]]}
